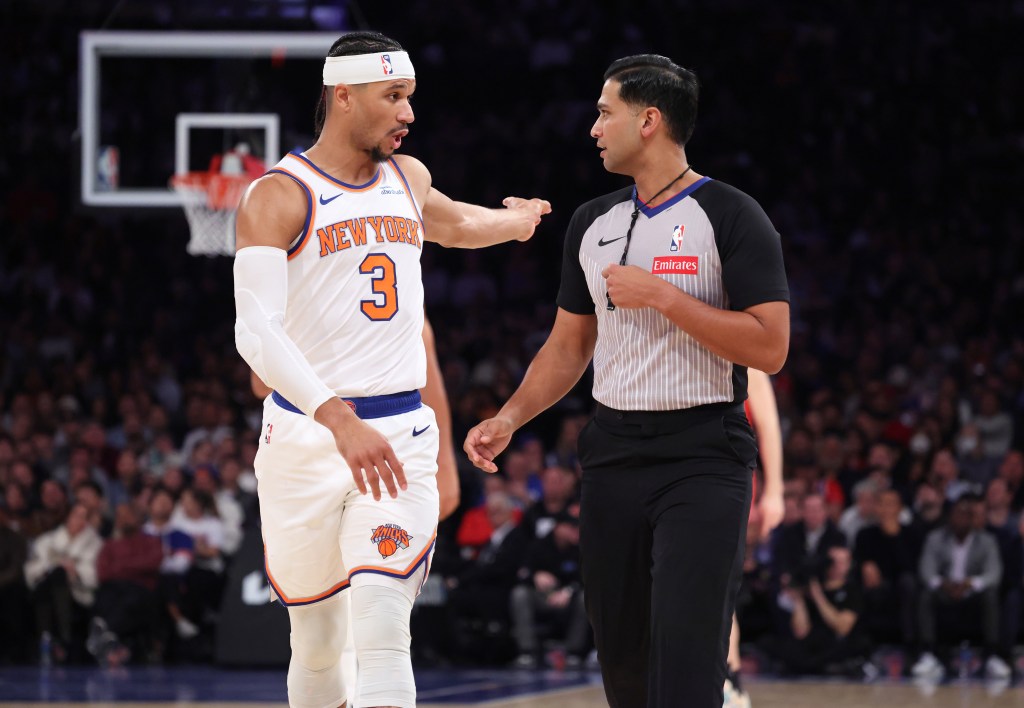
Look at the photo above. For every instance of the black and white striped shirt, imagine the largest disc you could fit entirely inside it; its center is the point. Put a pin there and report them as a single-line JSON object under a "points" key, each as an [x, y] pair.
{"points": [[711, 241]]}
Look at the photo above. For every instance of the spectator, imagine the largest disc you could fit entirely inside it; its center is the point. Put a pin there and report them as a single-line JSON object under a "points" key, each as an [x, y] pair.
{"points": [[476, 529], [1011, 471], [127, 618], [552, 590], [196, 515], [886, 555], [976, 467], [17, 513], [558, 491], [53, 506], [90, 495], [944, 475], [232, 478], [229, 511], [960, 573], [523, 484], [862, 513], [479, 593], [61, 572], [998, 514], [128, 481], [178, 548], [929, 508], [824, 622], [802, 548], [994, 426]]}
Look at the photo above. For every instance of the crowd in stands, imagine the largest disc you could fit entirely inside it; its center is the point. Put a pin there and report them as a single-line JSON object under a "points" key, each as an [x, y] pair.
{"points": [[889, 164]]}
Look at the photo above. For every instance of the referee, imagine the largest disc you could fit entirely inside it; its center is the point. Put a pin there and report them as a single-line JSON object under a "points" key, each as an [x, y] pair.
{"points": [[673, 287]]}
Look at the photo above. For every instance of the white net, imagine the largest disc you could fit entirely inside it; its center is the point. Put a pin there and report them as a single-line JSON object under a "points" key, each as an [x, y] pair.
{"points": [[210, 201]]}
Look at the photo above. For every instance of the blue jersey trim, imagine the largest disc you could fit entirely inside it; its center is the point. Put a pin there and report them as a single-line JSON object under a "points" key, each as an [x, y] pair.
{"points": [[376, 175], [651, 212], [368, 407]]}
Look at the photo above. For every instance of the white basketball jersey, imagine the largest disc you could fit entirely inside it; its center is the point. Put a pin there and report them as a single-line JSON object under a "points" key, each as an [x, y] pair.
{"points": [[355, 291]]}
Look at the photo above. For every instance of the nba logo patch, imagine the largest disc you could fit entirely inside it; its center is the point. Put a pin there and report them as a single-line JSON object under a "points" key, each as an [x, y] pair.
{"points": [[677, 238], [385, 60], [389, 538], [270, 429]]}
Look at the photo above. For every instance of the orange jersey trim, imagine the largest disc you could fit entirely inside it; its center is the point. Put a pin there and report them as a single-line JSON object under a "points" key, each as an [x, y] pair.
{"points": [[285, 600], [307, 233], [397, 573]]}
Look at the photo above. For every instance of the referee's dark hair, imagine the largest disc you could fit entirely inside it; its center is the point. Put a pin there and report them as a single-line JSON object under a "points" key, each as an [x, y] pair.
{"points": [[363, 42], [654, 80]]}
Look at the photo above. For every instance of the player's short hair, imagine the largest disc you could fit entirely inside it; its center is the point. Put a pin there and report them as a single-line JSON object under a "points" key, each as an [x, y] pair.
{"points": [[349, 44], [653, 80]]}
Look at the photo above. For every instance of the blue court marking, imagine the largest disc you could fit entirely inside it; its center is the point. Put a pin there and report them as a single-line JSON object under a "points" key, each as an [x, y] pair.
{"points": [[199, 684]]}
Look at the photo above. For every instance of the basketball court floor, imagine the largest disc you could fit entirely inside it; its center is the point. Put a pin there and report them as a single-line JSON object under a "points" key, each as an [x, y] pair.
{"points": [[457, 688]]}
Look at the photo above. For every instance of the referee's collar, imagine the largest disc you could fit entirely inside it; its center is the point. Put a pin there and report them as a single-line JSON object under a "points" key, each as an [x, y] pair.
{"points": [[650, 212]]}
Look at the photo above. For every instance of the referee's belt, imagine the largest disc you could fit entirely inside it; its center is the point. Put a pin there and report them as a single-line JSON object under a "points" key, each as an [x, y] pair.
{"points": [[368, 406]]}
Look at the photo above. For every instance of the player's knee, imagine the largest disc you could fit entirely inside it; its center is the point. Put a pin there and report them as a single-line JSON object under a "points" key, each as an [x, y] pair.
{"points": [[317, 636], [380, 618]]}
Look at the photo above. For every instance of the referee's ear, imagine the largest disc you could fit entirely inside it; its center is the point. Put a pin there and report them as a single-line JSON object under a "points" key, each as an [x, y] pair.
{"points": [[652, 120]]}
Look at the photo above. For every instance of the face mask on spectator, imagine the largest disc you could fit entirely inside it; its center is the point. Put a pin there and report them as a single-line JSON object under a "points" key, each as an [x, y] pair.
{"points": [[920, 444]]}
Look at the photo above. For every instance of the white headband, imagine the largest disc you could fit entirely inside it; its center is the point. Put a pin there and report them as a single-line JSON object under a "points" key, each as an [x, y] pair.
{"points": [[367, 68]]}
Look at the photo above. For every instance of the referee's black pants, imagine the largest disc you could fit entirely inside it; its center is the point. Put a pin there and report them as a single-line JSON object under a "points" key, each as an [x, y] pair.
{"points": [[663, 519]]}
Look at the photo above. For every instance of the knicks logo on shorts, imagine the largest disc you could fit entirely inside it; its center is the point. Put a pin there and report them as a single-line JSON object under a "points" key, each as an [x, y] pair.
{"points": [[389, 538]]}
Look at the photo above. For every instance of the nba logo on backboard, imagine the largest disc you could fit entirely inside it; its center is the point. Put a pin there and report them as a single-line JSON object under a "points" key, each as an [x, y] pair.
{"points": [[677, 238], [385, 60], [108, 169]]}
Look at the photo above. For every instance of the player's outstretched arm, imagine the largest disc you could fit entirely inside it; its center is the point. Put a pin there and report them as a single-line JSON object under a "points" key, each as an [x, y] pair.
{"points": [[557, 367], [461, 225], [272, 213]]}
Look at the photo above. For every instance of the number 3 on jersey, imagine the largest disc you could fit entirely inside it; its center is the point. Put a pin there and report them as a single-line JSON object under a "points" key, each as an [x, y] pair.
{"points": [[381, 270]]}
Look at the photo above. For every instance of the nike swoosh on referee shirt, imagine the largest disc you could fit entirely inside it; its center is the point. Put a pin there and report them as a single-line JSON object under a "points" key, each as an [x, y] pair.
{"points": [[325, 202], [602, 242], [419, 432]]}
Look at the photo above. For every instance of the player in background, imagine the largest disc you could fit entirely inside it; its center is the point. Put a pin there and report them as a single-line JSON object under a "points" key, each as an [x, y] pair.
{"points": [[763, 413]]}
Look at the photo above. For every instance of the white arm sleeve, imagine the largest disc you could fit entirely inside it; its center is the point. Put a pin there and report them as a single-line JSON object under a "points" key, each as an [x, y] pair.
{"points": [[261, 297]]}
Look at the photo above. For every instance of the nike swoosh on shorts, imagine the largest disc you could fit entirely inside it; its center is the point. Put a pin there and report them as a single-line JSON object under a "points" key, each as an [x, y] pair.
{"points": [[419, 432]]}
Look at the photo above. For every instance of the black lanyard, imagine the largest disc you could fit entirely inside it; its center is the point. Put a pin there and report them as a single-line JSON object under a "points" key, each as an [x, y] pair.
{"points": [[638, 203]]}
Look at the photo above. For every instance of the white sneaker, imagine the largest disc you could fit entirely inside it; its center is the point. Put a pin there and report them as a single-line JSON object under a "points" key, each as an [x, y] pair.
{"points": [[928, 667], [734, 698], [996, 668]]}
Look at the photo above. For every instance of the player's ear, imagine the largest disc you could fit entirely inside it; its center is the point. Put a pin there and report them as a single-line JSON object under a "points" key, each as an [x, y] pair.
{"points": [[342, 96]]}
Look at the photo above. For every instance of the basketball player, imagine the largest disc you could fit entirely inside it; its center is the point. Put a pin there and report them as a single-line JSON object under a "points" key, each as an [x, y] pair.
{"points": [[763, 414], [329, 304], [673, 287]]}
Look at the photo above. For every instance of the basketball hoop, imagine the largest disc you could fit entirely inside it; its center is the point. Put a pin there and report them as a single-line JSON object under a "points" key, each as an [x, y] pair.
{"points": [[210, 200]]}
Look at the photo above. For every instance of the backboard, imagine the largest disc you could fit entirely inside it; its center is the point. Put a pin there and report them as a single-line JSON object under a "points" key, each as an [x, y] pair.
{"points": [[153, 104]]}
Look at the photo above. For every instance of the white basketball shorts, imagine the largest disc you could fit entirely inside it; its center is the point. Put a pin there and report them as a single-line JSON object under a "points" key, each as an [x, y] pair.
{"points": [[320, 534]]}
